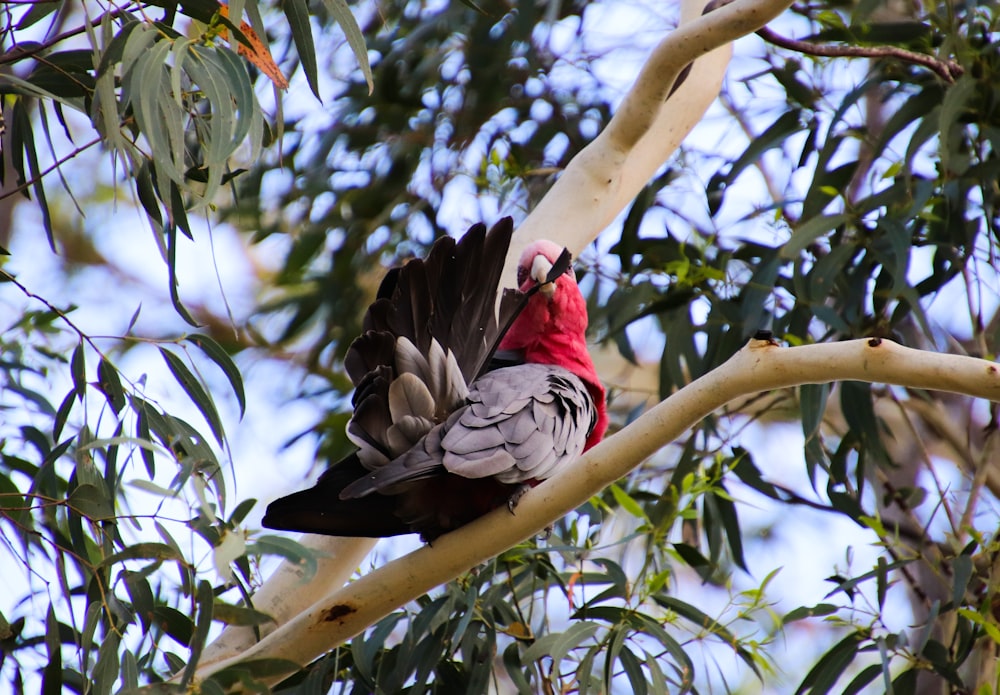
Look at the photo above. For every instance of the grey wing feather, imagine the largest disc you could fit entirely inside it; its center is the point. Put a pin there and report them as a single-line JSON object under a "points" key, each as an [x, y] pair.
{"points": [[538, 415], [520, 423]]}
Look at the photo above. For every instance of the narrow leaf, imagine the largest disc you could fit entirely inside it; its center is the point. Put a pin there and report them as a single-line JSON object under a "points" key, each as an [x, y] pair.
{"points": [[810, 230], [143, 551], [21, 124], [205, 599], [189, 382], [78, 369], [110, 385], [341, 12], [92, 502], [297, 14], [218, 354], [239, 615]]}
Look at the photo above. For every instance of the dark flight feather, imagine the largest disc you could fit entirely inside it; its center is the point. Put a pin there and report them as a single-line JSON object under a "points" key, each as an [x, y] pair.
{"points": [[450, 297]]}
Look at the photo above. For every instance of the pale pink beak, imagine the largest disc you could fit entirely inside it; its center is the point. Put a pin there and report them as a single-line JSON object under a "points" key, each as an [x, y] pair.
{"points": [[540, 268]]}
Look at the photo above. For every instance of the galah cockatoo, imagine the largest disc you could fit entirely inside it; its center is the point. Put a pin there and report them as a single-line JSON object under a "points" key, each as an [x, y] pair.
{"points": [[455, 412]]}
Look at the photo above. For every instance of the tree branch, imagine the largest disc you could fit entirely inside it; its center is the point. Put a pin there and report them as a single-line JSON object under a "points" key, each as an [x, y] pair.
{"points": [[18, 53], [606, 175], [760, 366], [948, 70]]}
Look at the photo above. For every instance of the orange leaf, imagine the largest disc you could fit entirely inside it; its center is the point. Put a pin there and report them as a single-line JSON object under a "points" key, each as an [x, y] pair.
{"points": [[257, 52]]}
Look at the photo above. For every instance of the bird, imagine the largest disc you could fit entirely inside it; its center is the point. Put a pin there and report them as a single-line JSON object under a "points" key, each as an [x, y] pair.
{"points": [[461, 403]]}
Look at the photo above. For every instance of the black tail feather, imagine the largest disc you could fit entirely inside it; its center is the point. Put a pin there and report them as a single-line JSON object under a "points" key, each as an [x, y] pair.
{"points": [[449, 296], [320, 509]]}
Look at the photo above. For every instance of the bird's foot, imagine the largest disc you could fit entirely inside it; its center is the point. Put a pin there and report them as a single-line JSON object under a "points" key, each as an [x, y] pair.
{"points": [[516, 496]]}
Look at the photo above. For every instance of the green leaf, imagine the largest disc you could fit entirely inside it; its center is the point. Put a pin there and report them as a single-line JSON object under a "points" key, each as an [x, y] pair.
{"points": [[238, 674], [633, 671], [172, 283], [867, 675], [239, 615], [129, 672], [290, 550], [52, 673], [174, 623], [906, 682], [241, 511], [955, 104], [810, 230], [962, 568], [812, 406], [143, 551], [141, 595], [110, 385], [190, 383], [78, 370], [5, 631], [341, 12], [695, 560], [205, 600], [731, 524], [36, 13], [558, 645], [657, 679], [709, 624], [859, 412], [297, 14], [787, 124], [831, 666], [513, 665], [12, 502], [848, 585], [218, 354], [651, 627], [802, 612], [142, 432], [105, 673], [22, 135], [92, 502], [627, 503], [146, 193]]}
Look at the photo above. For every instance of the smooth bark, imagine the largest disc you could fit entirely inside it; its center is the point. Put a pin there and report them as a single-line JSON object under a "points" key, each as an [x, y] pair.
{"points": [[760, 366]]}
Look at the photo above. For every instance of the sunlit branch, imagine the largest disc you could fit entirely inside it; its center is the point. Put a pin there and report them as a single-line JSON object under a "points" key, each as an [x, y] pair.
{"points": [[760, 366], [604, 177]]}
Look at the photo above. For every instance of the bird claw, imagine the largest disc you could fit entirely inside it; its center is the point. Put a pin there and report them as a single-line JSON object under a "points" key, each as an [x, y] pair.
{"points": [[516, 496]]}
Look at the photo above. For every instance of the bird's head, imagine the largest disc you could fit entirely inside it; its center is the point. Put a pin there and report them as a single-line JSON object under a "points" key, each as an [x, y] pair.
{"points": [[535, 267], [555, 311]]}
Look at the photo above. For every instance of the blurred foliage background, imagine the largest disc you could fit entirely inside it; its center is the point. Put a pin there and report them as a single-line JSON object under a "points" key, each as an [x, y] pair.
{"points": [[147, 146]]}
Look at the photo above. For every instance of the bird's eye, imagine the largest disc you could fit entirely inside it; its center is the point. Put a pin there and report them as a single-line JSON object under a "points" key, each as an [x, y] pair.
{"points": [[522, 275]]}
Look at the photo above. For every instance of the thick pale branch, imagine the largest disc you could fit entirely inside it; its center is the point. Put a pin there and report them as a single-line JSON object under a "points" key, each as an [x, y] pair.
{"points": [[286, 593], [607, 174], [760, 366]]}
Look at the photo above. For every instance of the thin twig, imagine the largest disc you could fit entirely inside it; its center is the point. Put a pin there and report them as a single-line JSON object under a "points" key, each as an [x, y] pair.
{"points": [[7, 277], [948, 70], [17, 53], [56, 165]]}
